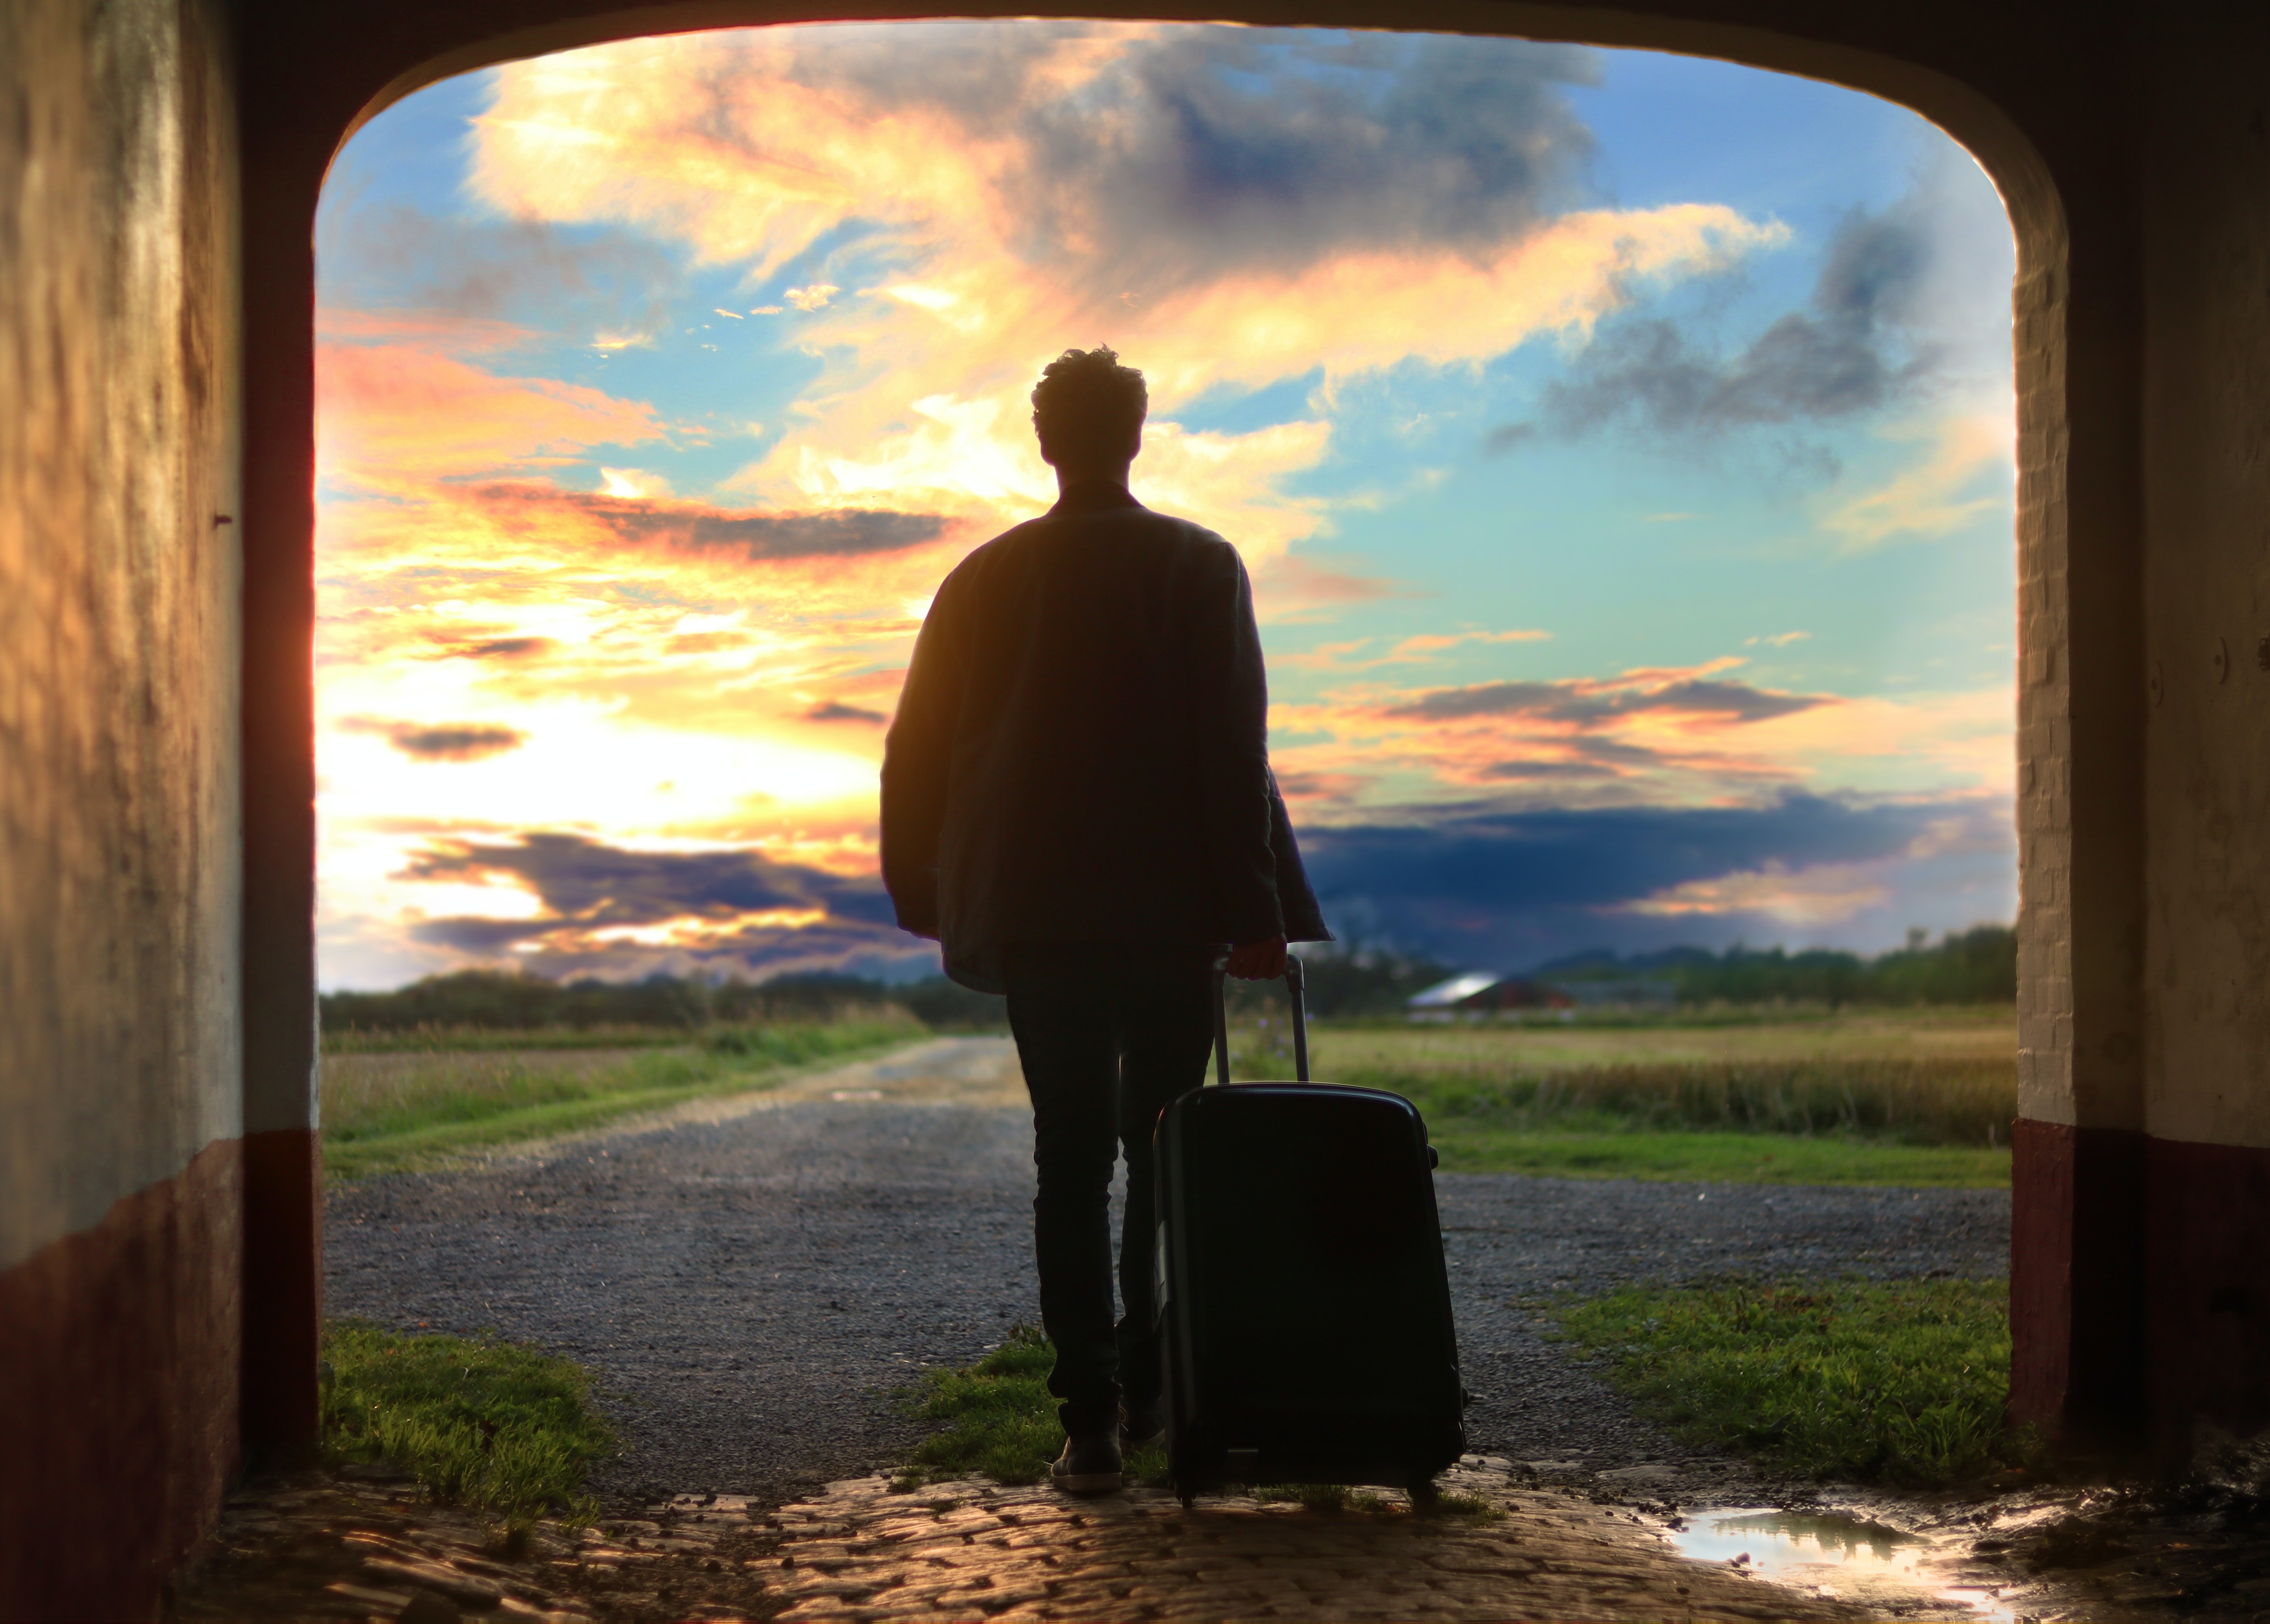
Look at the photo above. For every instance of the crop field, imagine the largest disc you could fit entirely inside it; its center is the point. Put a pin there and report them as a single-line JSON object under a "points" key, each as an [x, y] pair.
{"points": [[400, 1107], [1920, 1096]]}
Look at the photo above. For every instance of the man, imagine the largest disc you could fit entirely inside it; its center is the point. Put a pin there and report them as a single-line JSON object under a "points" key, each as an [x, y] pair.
{"points": [[1078, 806]]}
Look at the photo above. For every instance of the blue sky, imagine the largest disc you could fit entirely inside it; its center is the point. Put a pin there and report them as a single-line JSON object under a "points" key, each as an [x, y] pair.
{"points": [[1620, 444]]}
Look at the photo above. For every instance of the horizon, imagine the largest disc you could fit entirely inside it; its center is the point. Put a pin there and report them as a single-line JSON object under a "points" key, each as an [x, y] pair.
{"points": [[1620, 444]]}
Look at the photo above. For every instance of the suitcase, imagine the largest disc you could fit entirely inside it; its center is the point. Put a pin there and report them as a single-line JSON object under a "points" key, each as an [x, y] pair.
{"points": [[1303, 1305]]}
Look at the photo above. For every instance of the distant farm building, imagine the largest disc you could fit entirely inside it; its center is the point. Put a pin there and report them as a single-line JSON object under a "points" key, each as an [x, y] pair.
{"points": [[1478, 994]]}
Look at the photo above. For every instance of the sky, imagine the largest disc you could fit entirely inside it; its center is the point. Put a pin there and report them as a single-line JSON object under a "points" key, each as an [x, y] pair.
{"points": [[1621, 446]]}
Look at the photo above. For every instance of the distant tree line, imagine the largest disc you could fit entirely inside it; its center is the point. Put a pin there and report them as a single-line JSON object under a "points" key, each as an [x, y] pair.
{"points": [[1972, 967], [1977, 965], [504, 1000]]}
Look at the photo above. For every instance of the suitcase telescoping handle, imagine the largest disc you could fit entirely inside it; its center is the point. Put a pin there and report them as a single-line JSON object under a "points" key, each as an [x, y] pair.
{"points": [[1300, 1024]]}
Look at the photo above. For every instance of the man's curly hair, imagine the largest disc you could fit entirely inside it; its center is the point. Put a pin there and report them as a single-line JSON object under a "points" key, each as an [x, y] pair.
{"points": [[1087, 407]]}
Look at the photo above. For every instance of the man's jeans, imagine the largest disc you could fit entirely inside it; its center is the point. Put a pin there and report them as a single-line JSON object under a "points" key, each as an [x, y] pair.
{"points": [[1107, 1041]]}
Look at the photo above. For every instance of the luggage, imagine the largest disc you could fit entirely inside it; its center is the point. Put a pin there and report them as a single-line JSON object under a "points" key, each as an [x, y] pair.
{"points": [[1303, 1306]]}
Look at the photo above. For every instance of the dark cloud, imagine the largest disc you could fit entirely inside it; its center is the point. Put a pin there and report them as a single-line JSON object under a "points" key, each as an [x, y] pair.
{"points": [[1503, 890], [1206, 151], [1555, 701], [453, 741], [1853, 353], [1548, 771], [500, 647], [835, 711], [1499, 440], [586, 885], [521, 269], [698, 526]]}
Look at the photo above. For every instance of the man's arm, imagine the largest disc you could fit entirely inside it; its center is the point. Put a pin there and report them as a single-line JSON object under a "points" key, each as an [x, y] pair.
{"points": [[917, 753], [1231, 760]]}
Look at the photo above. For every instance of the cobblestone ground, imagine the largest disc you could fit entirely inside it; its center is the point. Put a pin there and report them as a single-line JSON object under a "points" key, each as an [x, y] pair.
{"points": [[369, 1549], [861, 1553], [363, 1545]]}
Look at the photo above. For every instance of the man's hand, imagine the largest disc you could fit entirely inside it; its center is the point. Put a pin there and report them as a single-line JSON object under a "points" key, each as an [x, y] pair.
{"points": [[1257, 960]]}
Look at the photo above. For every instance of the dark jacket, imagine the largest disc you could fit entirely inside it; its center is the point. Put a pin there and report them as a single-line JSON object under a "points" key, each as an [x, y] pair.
{"points": [[1080, 753]]}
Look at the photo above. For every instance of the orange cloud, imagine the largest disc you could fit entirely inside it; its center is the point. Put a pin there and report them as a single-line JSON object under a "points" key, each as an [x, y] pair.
{"points": [[389, 415], [752, 147]]}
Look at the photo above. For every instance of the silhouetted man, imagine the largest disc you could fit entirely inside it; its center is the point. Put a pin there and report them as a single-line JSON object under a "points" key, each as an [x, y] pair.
{"points": [[1078, 806]]}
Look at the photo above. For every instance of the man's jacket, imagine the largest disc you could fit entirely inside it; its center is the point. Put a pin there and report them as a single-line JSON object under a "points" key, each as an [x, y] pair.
{"points": [[1081, 752]]}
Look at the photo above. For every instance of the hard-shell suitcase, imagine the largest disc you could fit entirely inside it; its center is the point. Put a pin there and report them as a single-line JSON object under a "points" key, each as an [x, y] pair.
{"points": [[1304, 1308]]}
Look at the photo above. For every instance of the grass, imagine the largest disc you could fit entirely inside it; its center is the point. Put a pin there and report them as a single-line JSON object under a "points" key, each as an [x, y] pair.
{"points": [[1917, 1097], [1902, 1383], [479, 1422], [1618, 1151], [397, 1112], [996, 1417]]}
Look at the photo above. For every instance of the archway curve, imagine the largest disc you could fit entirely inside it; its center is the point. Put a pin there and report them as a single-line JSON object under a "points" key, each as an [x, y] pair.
{"points": [[2071, 1357]]}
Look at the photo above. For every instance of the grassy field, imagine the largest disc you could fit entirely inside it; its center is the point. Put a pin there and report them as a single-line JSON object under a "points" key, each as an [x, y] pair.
{"points": [[403, 1109], [479, 1422], [1907, 1097], [1902, 1383]]}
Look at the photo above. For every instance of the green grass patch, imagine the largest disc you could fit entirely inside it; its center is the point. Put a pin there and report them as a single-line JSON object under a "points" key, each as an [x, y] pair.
{"points": [[1622, 1151], [386, 1112], [1902, 1383], [996, 1417], [479, 1422]]}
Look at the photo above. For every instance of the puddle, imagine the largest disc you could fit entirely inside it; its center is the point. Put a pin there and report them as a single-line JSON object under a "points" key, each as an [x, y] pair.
{"points": [[1839, 1556]]}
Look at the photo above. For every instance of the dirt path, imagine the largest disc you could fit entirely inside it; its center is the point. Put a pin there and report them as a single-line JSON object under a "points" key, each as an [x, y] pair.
{"points": [[751, 1279]]}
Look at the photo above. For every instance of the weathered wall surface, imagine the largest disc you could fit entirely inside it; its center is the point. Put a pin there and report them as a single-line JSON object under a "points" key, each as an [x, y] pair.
{"points": [[2207, 259], [119, 1173]]}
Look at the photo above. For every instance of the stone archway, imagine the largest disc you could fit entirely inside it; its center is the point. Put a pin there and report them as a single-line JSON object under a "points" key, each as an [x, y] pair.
{"points": [[306, 81]]}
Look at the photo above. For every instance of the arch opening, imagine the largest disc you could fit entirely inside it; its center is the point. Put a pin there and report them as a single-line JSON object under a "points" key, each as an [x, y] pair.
{"points": [[1652, 338]]}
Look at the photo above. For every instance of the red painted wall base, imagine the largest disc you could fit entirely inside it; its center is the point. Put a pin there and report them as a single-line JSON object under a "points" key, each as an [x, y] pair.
{"points": [[283, 1292], [118, 1397], [2209, 1230], [2077, 1260]]}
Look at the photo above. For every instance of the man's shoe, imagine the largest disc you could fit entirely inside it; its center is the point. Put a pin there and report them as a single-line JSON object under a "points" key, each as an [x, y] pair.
{"points": [[1088, 1465], [1142, 1424]]}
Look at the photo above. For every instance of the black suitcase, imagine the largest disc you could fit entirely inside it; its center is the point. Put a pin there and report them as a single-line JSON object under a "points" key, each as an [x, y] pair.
{"points": [[1304, 1308]]}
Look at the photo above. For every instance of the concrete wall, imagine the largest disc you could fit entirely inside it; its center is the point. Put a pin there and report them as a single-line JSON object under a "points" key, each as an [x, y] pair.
{"points": [[120, 1199], [2205, 974]]}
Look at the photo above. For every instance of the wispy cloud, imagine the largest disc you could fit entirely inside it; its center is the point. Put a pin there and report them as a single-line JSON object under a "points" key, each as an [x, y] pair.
{"points": [[1966, 472], [449, 741], [1588, 703], [393, 415]]}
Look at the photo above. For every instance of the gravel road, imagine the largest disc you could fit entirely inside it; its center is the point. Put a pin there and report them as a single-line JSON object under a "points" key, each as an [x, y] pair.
{"points": [[752, 1280]]}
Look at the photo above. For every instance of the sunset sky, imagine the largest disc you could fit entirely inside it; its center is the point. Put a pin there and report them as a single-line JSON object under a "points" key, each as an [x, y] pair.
{"points": [[1620, 444]]}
